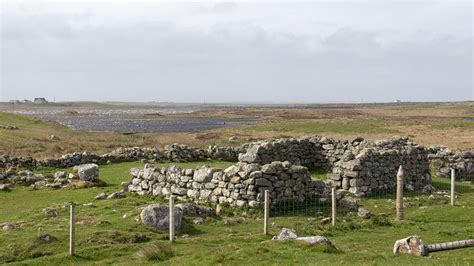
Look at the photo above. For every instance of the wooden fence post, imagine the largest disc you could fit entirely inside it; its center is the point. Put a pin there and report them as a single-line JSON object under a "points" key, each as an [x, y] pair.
{"points": [[400, 177], [171, 218], [333, 205], [72, 228], [453, 180], [266, 213]]}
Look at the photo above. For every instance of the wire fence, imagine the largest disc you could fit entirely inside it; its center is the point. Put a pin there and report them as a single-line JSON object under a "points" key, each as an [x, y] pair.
{"points": [[421, 192]]}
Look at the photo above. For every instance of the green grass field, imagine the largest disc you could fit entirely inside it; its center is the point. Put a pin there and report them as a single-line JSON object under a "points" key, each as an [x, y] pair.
{"points": [[108, 232], [32, 138]]}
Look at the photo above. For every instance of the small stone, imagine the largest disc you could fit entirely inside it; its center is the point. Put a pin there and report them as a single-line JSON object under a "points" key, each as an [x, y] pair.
{"points": [[5, 187], [198, 220], [285, 234], [50, 212], [8, 227], [364, 213], [326, 220], [54, 138], [101, 196], [254, 204], [46, 238], [316, 240], [60, 175], [116, 195], [218, 209]]}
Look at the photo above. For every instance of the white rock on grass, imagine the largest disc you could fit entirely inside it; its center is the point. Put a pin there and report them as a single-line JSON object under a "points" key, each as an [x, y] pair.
{"points": [[285, 234], [156, 216], [87, 172], [288, 234]]}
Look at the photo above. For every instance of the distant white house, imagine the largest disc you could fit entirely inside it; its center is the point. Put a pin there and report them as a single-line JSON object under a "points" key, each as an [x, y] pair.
{"points": [[40, 101]]}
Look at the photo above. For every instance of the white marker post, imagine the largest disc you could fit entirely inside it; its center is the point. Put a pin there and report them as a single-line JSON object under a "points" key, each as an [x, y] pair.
{"points": [[72, 228], [266, 212], [400, 177], [333, 205], [453, 184], [171, 218]]}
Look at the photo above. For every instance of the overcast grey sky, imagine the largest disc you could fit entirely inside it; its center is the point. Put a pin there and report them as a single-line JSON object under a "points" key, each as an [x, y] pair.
{"points": [[356, 51]]}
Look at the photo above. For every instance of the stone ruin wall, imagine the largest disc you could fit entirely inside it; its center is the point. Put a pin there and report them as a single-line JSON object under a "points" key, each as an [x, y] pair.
{"points": [[359, 166], [239, 185], [375, 169], [173, 152], [313, 152], [443, 160]]}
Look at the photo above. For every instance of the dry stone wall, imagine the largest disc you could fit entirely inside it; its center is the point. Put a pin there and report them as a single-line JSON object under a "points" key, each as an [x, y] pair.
{"points": [[359, 166], [239, 185], [174, 152], [373, 166], [443, 160]]}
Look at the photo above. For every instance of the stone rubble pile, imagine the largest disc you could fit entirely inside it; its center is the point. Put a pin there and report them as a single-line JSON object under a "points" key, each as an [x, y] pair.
{"points": [[25, 178], [87, 173], [443, 160], [237, 185], [9, 127]]}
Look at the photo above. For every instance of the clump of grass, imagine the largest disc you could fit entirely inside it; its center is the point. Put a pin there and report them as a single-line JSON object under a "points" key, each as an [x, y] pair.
{"points": [[381, 220], [156, 251], [320, 173]]}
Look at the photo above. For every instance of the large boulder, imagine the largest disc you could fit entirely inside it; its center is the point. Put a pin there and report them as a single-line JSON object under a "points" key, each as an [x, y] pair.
{"points": [[349, 203], [195, 210], [156, 216], [87, 172]]}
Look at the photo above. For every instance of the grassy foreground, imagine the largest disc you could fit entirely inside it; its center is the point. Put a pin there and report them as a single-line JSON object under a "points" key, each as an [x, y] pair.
{"points": [[108, 231]]}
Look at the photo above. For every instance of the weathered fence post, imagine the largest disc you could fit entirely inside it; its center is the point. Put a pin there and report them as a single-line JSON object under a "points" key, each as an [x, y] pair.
{"points": [[72, 228], [453, 180], [400, 177], [266, 213], [171, 218], [333, 205]]}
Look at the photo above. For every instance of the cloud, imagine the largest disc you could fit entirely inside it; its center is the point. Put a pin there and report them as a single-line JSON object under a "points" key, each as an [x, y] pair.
{"points": [[78, 55]]}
